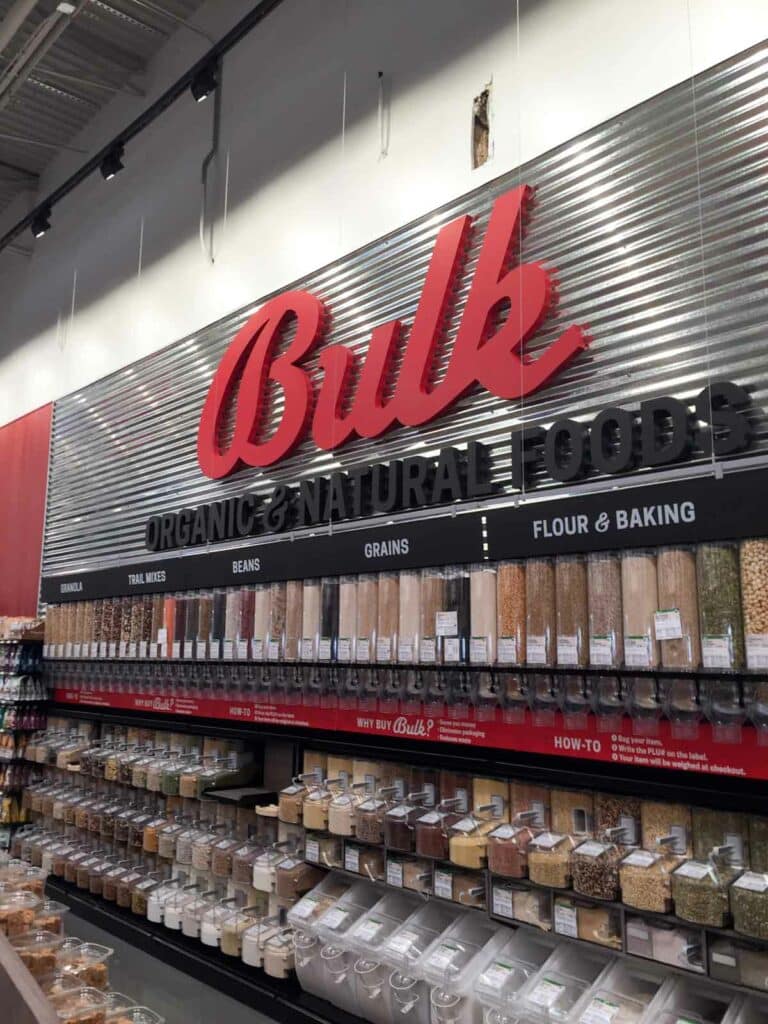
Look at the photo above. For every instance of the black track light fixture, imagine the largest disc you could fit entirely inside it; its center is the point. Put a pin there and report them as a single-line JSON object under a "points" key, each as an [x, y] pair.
{"points": [[112, 163], [205, 82], [41, 222]]}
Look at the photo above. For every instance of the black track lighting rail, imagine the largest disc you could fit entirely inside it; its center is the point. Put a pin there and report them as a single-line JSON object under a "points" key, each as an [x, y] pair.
{"points": [[202, 69]]}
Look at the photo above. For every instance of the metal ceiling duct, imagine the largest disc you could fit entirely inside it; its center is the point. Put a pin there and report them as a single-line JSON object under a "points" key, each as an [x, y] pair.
{"points": [[13, 21]]}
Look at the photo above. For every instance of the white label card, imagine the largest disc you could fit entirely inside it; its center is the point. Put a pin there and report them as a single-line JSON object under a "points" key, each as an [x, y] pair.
{"points": [[334, 917], [693, 870], [384, 649], [478, 650], [600, 650], [243, 649], [450, 648], [395, 873], [352, 859], [567, 649], [257, 650], [496, 975], [757, 650], [536, 649], [143, 648], [752, 882], [565, 921], [363, 648], [637, 651], [427, 650], [443, 956], [717, 652], [273, 650], [307, 649], [112, 649], [324, 649], [506, 650], [133, 649], [667, 624], [345, 649], [547, 992], [176, 649], [446, 623], [368, 929], [443, 884], [312, 851], [599, 1011], [501, 902], [405, 651], [228, 650]]}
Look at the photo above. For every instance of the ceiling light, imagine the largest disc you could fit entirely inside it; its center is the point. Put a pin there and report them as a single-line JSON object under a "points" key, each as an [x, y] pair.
{"points": [[112, 162], [204, 82], [41, 222], [65, 8]]}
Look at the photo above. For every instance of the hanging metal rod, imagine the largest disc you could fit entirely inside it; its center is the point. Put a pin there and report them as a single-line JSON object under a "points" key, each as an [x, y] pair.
{"points": [[151, 114], [133, 90]]}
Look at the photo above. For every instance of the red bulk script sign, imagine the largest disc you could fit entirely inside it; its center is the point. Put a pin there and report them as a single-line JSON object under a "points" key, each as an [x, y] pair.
{"points": [[505, 307]]}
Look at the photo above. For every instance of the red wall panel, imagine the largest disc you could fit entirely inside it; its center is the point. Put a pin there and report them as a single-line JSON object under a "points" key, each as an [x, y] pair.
{"points": [[24, 446]]}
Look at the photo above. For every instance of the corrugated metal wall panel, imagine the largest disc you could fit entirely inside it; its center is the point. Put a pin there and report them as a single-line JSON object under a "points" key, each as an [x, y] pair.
{"points": [[655, 223]]}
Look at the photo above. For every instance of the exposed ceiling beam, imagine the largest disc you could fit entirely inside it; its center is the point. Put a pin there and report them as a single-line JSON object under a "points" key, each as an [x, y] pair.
{"points": [[14, 19], [33, 51], [128, 19], [161, 12], [26, 141], [21, 172], [128, 87]]}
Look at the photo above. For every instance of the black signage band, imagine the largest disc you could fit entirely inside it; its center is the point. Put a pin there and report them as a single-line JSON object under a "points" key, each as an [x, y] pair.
{"points": [[650, 515]]}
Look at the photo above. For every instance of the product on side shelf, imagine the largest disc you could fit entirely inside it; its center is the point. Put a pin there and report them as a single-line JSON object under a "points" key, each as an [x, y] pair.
{"points": [[738, 962], [606, 631], [749, 904], [541, 623], [700, 890], [595, 866], [645, 877], [660, 820], [720, 616], [665, 942], [549, 859], [516, 902]]}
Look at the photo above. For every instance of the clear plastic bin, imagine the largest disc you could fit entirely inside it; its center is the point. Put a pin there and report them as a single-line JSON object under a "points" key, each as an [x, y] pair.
{"points": [[38, 951], [501, 974], [693, 1003], [450, 966], [561, 989], [86, 1006]]}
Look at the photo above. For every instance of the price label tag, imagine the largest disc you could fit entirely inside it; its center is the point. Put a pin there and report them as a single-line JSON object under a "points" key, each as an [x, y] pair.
{"points": [[443, 884], [143, 648], [599, 1011], [312, 851], [395, 873], [273, 650], [536, 649], [450, 648], [176, 649], [189, 650], [427, 650], [334, 917], [324, 649], [363, 648], [565, 921], [502, 903], [133, 649], [637, 651], [717, 652], [641, 859], [601, 650], [384, 649], [446, 623], [122, 650], [368, 930], [405, 651], [547, 992], [305, 907], [478, 650], [402, 942], [352, 859], [112, 649], [214, 650], [345, 649], [667, 624], [440, 958], [228, 650], [243, 650], [76, 650], [495, 976], [506, 650], [757, 650], [307, 649], [567, 649], [257, 650]]}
